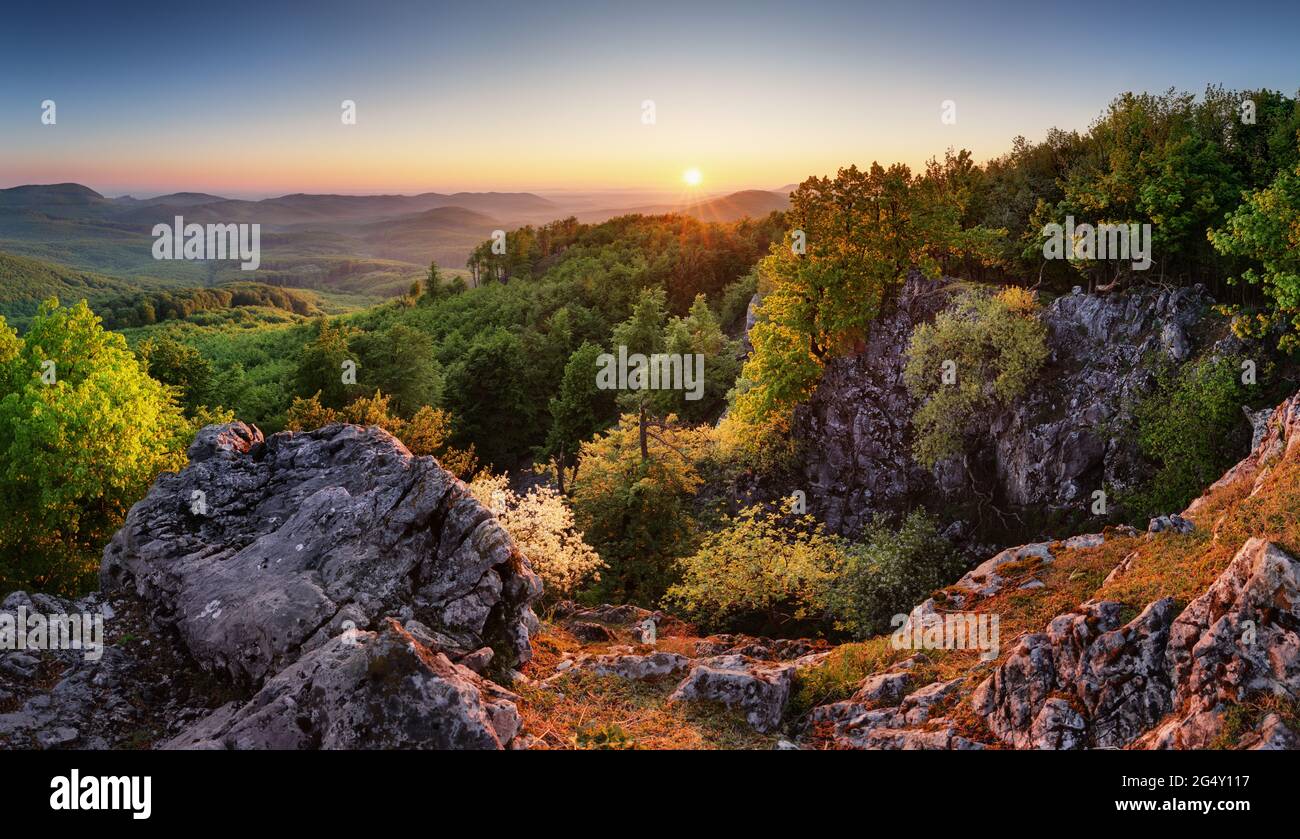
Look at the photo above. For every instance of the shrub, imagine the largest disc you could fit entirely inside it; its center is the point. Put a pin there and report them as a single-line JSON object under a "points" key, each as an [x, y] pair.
{"points": [[760, 567], [890, 572], [1191, 428], [996, 346], [542, 524], [428, 432]]}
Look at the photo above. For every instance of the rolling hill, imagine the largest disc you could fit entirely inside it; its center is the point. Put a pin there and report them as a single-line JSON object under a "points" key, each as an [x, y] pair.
{"points": [[753, 203], [373, 245]]}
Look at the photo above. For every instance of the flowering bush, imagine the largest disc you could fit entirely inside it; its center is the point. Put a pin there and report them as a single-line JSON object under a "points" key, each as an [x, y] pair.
{"points": [[542, 524]]}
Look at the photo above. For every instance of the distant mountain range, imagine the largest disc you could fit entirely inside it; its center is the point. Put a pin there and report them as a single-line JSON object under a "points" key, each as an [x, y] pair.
{"points": [[308, 240], [750, 202]]}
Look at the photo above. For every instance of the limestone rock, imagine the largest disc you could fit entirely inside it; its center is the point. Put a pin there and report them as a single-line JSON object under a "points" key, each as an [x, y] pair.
{"points": [[1086, 681], [1238, 640], [259, 544], [1045, 454], [760, 689], [632, 666], [375, 690]]}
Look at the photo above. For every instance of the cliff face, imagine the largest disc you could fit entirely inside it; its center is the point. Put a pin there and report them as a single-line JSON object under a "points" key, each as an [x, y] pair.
{"points": [[1038, 461]]}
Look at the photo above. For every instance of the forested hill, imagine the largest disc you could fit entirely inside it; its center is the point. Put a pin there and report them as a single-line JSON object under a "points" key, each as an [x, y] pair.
{"points": [[496, 368], [25, 282]]}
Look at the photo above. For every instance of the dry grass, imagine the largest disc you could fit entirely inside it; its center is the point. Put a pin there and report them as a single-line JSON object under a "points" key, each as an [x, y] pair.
{"points": [[580, 708], [1166, 565], [566, 714]]}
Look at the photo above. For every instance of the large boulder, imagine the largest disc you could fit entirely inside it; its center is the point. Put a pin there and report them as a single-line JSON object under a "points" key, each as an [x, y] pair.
{"points": [[760, 689], [263, 549], [364, 690]]}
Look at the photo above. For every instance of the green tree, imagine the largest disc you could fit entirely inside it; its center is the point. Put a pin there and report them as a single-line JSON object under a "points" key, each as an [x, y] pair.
{"points": [[179, 366], [700, 334], [1265, 230], [979, 354], [321, 364], [486, 391], [643, 332], [1190, 427], [83, 432], [852, 241], [578, 411], [401, 361], [635, 509], [890, 572]]}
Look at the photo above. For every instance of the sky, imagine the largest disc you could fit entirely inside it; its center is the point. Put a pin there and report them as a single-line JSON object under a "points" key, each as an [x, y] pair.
{"points": [[246, 100]]}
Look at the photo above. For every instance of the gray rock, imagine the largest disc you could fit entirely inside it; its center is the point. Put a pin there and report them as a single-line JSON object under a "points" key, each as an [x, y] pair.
{"points": [[300, 527], [590, 633], [887, 688], [1058, 726], [1238, 640], [53, 738], [380, 690], [1115, 675], [631, 666], [773, 649], [1172, 523], [1258, 424], [478, 661], [1044, 455], [759, 689], [1176, 343]]}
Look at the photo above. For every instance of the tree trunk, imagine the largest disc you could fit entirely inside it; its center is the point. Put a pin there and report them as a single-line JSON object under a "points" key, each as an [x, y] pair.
{"points": [[645, 448]]}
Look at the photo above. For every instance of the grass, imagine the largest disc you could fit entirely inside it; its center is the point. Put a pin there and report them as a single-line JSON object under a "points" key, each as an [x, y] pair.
{"points": [[1243, 718], [1181, 566], [581, 710]]}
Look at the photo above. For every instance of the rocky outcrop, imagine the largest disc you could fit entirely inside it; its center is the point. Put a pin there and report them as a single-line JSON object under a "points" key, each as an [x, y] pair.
{"points": [[1278, 438], [1040, 459], [1238, 641], [889, 712], [856, 427], [774, 649], [629, 665], [1086, 681], [261, 550], [334, 590], [95, 702], [367, 690], [759, 689], [754, 676]]}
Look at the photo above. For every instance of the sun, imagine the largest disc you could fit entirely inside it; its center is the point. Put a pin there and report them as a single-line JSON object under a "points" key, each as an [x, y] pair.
{"points": [[692, 177]]}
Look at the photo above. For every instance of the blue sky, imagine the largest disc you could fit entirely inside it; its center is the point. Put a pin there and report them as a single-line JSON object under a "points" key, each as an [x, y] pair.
{"points": [[245, 98]]}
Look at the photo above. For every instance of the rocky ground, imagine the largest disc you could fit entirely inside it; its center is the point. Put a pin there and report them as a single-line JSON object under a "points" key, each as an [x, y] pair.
{"points": [[335, 592]]}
